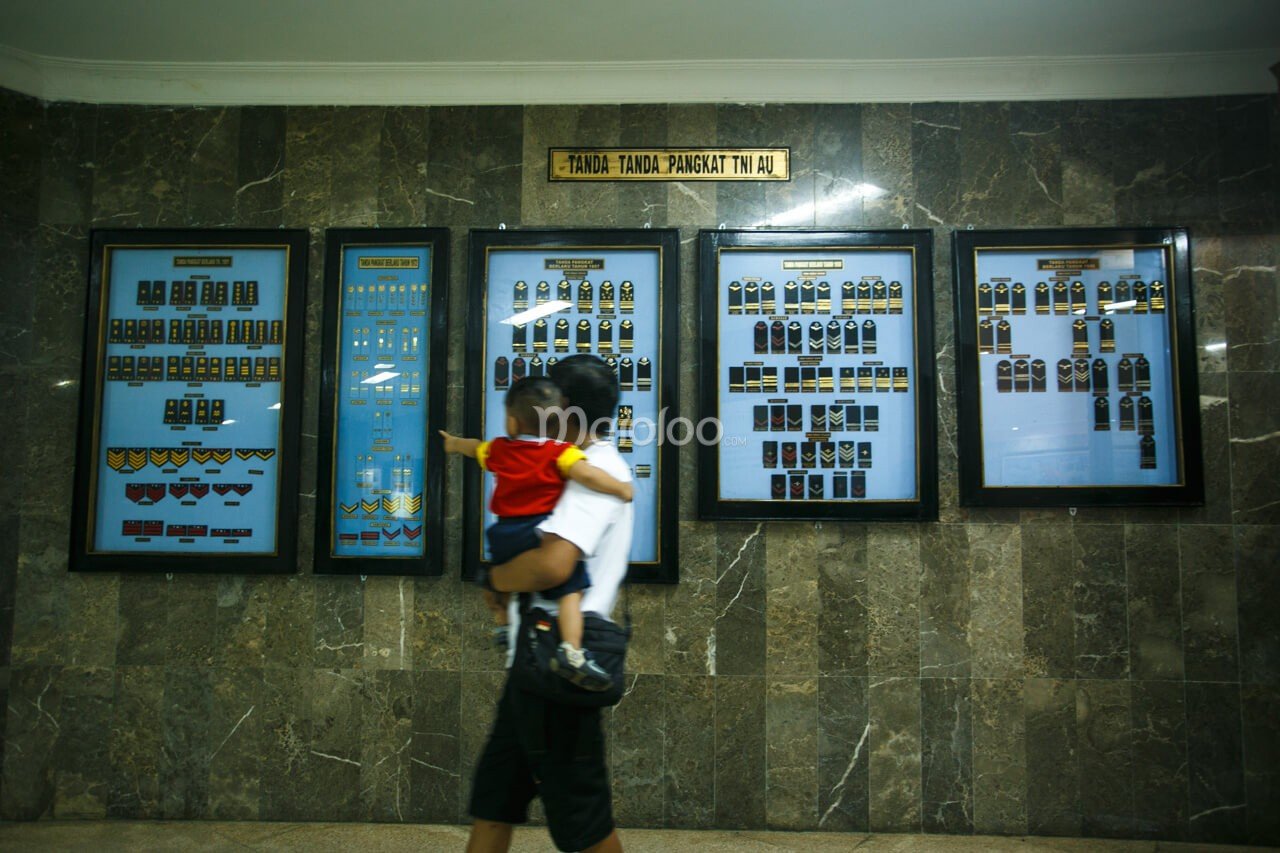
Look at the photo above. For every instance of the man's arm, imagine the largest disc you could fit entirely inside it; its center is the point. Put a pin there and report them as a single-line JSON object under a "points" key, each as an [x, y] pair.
{"points": [[548, 565], [597, 480]]}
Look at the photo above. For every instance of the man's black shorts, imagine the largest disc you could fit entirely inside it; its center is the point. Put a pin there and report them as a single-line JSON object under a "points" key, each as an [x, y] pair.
{"points": [[555, 752]]}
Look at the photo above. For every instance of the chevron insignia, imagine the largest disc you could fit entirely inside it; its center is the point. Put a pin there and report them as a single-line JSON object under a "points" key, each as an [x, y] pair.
{"points": [[412, 532], [179, 456], [390, 534], [137, 458], [349, 509], [244, 454], [391, 505], [369, 507], [412, 503], [221, 489], [159, 456], [241, 489], [201, 455], [265, 453], [115, 458], [222, 455]]}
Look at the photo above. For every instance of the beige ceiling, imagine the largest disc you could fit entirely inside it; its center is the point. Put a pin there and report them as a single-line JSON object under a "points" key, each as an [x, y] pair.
{"points": [[612, 31], [607, 51]]}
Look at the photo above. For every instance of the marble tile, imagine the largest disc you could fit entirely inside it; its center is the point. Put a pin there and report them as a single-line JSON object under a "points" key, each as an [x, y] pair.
{"points": [[844, 732], [308, 166], [213, 170], [689, 639], [1208, 603], [191, 610], [1165, 169], [839, 190], [437, 638], [185, 743], [259, 195], [480, 694], [1260, 707], [646, 605], [24, 123], [402, 167], [937, 164], [9, 526], [740, 628], [573, 204], [946, 755], [637, 729], [136, 744], [238, 737], [752, 203], [1251, 293], [144, 607], [1088, 164], [388, 620], [791, 752], [1009, 167], [1049, 636], [18, 268], [894, 764], [353, 200], [240, 621], [286, 758], [887, 165], [475, 167], [1255, 465], [1215, 445], [1100, 599], [893, 593], [1104, 730], [1053, 761], [642, 203], [843, 638], [1257, 588], [80, 759], [58, 314], [793, 553], [339, 621], [689, 751], [66, 169], [1211, 255], [1216, 799], [141, 177], [338, 718], [40, 607], [1246, 185], [386, 741], [1160, 750], [1155, 624], [995, 606], [999, 756], [291, 621], [33, 708], [435, 783], [53, 410], [740, 800], [944, 601]]}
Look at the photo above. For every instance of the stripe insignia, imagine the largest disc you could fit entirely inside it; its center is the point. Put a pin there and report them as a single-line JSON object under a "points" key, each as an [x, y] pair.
{"points": [[369, 507]]}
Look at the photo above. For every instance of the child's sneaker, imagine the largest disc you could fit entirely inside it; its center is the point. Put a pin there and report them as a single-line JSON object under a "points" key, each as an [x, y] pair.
{"points": [[501, 637], [574, 665]]}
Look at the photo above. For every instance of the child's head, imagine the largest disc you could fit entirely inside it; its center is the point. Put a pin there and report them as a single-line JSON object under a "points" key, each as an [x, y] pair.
{"points": [[533, 407]]}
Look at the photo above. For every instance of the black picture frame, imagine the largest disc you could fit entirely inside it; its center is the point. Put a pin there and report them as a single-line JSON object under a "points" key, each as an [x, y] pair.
{"points": [[157, 254], [713, 502], [550, 242], [1091, 258], [429, 314]]}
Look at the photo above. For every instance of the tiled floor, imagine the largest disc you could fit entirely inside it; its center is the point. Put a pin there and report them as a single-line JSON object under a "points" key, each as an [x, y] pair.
{"points": [[108, 836]]}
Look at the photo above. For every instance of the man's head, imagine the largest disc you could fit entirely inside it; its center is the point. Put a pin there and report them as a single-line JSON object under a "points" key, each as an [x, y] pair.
{"points": [[533, 405], [591, 392]]}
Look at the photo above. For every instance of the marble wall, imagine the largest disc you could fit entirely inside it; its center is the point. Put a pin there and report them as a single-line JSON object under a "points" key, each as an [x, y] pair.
{"points": [[1106, 672]]}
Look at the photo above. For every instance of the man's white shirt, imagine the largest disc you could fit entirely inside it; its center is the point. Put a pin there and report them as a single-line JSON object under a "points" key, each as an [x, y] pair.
{"points": [[600, 526]]}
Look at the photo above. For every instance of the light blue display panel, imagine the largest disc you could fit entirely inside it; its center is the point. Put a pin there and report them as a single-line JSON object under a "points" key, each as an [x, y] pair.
{"points": [[1076, 367], [817, 375], [381, 412], [192, 369], [615, 313]]}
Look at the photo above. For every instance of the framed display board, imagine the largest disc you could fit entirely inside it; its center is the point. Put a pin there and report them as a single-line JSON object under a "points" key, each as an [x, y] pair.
{"points": [[817, 360], [382, 398], [1076, 368], [539, 296], [187, 457]]}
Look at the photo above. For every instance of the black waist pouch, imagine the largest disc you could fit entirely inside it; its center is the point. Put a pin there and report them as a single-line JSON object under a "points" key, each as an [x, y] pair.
{"points": [[536, 645]]}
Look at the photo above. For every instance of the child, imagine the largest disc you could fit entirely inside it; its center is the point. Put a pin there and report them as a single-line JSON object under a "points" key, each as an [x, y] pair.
{"points": [[531, 471]]}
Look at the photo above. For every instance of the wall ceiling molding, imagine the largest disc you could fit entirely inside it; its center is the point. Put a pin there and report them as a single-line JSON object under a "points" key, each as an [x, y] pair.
{"points": [[1167, 75]]}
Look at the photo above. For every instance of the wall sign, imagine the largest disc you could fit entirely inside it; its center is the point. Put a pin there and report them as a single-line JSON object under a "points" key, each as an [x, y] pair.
{"points": [[540, 296], [817, 359], [1076, 369], [189, 406], [382, 400], [669, 164]]}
